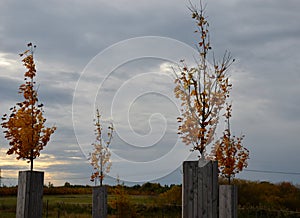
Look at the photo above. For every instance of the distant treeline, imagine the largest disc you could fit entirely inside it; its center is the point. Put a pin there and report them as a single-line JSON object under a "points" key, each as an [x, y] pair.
{"points": [[145, 189], [281, 196]]}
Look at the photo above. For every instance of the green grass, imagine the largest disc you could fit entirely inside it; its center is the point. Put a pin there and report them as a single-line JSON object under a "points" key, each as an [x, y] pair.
{"points": [[64, 205], [8, 206], [142, 199], [69, 205], [68, 199], [146, 206]]}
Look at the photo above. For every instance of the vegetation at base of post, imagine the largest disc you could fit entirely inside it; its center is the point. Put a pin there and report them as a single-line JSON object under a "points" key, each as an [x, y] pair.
{"points": [[25, 126]]}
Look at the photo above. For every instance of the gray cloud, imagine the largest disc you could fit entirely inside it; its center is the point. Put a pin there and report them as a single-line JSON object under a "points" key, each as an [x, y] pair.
{"points": [[262, 36]]}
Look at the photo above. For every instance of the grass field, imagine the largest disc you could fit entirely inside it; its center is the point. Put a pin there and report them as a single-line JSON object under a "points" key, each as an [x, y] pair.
{"points": [[256, 200], [138, 206], [80, 206], [53, 206]]}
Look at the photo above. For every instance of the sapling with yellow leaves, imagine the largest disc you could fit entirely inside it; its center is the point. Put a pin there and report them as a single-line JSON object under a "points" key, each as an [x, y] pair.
{"points": [[25, 126], [100, 157], [202, 89]]}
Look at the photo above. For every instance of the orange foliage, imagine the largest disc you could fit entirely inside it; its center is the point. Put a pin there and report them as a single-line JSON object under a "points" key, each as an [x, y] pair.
{"points": [[203, 90], [25, 127], [229, 152]]}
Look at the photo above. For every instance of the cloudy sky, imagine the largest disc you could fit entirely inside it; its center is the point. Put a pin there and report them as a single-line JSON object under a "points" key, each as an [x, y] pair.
{"points": [[116, 56]]}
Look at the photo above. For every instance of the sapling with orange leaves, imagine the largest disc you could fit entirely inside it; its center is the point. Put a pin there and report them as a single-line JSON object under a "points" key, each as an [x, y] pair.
{"points": [[25, 127], [229, 151], [202, 89], [100, 157]]}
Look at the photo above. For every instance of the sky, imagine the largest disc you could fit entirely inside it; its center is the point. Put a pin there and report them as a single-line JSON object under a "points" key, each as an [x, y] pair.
{"points": [[116, 55]]}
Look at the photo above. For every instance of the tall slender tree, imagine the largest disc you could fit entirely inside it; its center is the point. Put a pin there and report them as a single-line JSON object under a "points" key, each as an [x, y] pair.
{"points": [[100, 157], [202, 89], [25, 127]]}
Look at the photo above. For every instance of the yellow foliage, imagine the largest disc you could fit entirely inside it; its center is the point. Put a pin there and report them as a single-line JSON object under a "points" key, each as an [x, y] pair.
{"points": [[100, 157], [25, 129], [203, 92]]}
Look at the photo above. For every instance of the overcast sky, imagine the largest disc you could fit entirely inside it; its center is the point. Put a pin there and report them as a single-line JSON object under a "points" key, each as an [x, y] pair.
{"points": [[115, 56]]}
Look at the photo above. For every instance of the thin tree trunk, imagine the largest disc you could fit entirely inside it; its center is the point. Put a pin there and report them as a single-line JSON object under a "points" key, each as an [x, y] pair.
{"points": [[31, 160]]}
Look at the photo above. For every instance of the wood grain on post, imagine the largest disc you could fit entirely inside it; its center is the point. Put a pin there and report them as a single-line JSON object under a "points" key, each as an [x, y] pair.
{"points": [[30, 194], [99, 209], [200, 189], [228, 200]]}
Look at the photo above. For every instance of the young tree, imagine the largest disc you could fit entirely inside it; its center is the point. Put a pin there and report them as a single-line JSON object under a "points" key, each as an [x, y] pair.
{"points": [[25, 127], [202, 89], [231, 155], [100, 157]]}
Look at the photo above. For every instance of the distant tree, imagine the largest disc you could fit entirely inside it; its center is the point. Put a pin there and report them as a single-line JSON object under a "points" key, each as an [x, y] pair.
{"points": [[230, 153], [172, 196], [25, 127], [290, 195], [100, 157], [202, 90], [67, 184], [50, 185], [152, 188]]}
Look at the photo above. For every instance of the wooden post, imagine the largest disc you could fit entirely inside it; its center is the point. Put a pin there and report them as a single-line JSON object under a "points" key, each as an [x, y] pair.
{"points": [[200, 189], [99, 202], [228, 201], [30, 194]]}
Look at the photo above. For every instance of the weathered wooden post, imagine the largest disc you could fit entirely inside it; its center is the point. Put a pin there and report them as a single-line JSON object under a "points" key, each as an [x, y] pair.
{"points": [[228, 201], [99, 202], [30, 194], [200, 189]]}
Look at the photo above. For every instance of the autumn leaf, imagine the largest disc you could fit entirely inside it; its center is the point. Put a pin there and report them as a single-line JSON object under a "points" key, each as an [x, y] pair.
{"points": [[25, 129], [100, 157], [202, 91], [231, 155]]}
